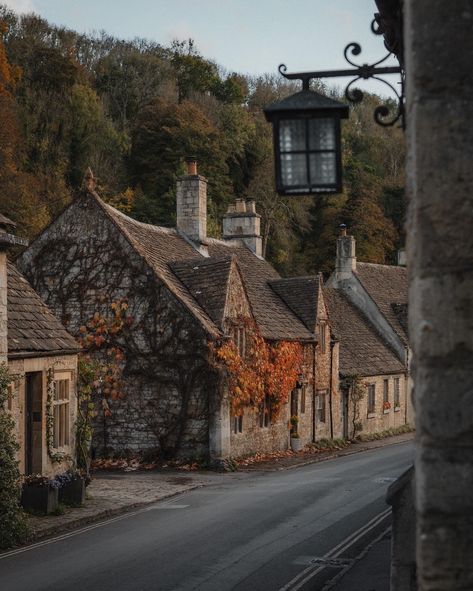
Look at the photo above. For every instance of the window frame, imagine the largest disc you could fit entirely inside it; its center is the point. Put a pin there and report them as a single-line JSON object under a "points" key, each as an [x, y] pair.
{"points": [[371, 402], [323, 336], [237, 426], [385, 390], [397, 392], [321, 406], [61, 410], [265, 413]]}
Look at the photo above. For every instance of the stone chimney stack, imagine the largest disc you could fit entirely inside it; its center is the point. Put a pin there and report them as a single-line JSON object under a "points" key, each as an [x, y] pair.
{"points": [[241, 221], [346, 255], [191, 203], [6, 241]]}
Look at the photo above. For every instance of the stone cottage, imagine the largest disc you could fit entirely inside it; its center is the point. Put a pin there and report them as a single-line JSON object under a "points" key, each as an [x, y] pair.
{"points": [[183, 290], [367, 306], [42, 357]]}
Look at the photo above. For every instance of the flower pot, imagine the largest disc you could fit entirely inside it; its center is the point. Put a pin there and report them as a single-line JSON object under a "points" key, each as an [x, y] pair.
{"points": [[296, 444], [39, 499], [73, 493]]}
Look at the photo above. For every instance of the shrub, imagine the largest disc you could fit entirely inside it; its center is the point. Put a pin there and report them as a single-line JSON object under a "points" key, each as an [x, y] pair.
{"points": [[13, 530]]}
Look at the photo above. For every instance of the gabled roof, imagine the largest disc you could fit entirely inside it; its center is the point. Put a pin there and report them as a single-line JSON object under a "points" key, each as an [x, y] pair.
{"points": [[362, 350], [32, 327], [164, 249], [207, 281], [301, 294], [387, 286]]}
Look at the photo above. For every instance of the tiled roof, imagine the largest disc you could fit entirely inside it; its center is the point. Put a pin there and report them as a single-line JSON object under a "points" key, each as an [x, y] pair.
{"points": [[164, 248], [32, 328], [207, 281], [362, 350], [301, 295], [274, 318], [387, 286]]}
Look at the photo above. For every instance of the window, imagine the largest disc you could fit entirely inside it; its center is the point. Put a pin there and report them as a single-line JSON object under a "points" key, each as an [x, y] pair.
{"points": [[61, 413], [386, 391], [238, 424], [371, 398], [397, 402], [321, 405], [322, 339], [303, 392], [265, 412], [239, 337]]}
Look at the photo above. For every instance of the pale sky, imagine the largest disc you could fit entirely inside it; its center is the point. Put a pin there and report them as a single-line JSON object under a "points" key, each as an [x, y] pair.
{"points": [[246, 36]]}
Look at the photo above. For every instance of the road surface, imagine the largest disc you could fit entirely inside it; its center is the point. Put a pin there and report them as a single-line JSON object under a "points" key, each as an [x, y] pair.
{"points": [[274, 531]]}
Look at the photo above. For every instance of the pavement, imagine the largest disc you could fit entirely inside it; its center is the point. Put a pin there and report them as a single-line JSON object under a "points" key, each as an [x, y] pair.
{"points": [[115, 493]]}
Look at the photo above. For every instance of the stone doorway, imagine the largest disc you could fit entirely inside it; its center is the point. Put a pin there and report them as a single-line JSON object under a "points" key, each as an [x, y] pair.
{"points": [[34, 423]]}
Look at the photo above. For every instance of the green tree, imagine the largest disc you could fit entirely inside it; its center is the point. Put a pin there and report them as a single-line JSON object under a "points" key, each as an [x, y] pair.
{"points": [[164, 135], [13, 528]]}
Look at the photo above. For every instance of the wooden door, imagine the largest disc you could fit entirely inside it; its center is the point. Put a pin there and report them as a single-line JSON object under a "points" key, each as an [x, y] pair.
{"points": [[34, 423]]}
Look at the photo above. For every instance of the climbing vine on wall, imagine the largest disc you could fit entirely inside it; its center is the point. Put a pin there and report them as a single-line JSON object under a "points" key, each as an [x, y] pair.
{"points": [[265, 369], [357, 388], [100, 370]]}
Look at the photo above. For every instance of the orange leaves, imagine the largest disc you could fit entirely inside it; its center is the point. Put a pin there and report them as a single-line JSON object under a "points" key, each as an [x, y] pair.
{"points": [[266, 369], [98, 337]]}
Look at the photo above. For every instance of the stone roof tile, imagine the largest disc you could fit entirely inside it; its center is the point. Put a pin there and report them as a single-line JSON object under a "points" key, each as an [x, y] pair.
{"points": [[32, 327], [362, 349]]}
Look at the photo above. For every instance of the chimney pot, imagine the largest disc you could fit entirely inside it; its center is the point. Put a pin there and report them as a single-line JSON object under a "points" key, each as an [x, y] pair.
{"points": [[343, 229], [251, 206], [191, 162], [240, 206]]}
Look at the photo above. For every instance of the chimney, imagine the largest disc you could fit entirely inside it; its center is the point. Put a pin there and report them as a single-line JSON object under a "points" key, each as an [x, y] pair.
{"points": [[241, 221], [401, 257], [6, 241], [346, 259], [191, 203]]}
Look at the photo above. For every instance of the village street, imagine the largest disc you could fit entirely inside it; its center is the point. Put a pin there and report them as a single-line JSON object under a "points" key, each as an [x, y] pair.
{"points": [[253, 530]]}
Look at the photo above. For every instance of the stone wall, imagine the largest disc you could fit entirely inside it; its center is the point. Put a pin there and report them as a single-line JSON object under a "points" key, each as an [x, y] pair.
{"points": [[438, 48], [381, 419], [81, 264]]}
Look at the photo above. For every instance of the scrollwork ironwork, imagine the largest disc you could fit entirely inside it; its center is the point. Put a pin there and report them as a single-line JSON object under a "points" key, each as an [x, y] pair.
{"points": [[383, 114]]}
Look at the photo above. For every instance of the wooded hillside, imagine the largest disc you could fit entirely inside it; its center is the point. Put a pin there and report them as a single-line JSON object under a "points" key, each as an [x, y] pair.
{"points": [[132, 111]]}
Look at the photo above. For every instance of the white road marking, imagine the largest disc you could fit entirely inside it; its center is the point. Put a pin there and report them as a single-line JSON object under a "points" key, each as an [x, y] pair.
{"points": [[308, 573], [167, 504]]}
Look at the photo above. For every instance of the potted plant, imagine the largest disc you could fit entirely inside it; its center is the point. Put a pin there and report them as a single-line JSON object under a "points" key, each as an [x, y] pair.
{"points": [[71, 488], [296, 443], [386, 406], [39, 494]]}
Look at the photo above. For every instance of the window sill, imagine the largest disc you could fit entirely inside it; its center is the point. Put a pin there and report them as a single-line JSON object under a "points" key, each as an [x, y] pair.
{"points": [[386, 411], [372, 415], [397, 409]]}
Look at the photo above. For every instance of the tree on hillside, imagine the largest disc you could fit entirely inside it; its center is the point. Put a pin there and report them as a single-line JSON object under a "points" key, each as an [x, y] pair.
{"points": [[20, 190], [164, 135]]}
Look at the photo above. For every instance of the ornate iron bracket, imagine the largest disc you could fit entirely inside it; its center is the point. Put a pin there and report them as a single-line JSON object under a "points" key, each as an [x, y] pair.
{"points": [[383, 114]]}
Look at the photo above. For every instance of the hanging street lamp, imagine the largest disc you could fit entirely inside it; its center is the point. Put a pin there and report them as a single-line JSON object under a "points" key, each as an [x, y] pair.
{"points": [[307, 145], [306, 125]]}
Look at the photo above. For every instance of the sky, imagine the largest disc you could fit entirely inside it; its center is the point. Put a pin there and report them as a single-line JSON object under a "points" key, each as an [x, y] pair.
{"points": [[245, 36]]}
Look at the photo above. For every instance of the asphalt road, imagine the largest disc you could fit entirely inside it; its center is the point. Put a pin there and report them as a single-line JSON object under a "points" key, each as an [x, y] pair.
{"points": [[283, 531]]}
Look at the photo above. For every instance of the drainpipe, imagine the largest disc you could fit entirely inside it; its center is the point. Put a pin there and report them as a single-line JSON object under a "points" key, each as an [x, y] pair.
{"points": [[332, 345], [313, 392]]}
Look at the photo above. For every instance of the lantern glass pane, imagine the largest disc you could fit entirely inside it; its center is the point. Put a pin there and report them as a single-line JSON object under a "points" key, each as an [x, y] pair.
{"points": [[292, 135], [322, 134], [293, 169], [323, 168]]}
